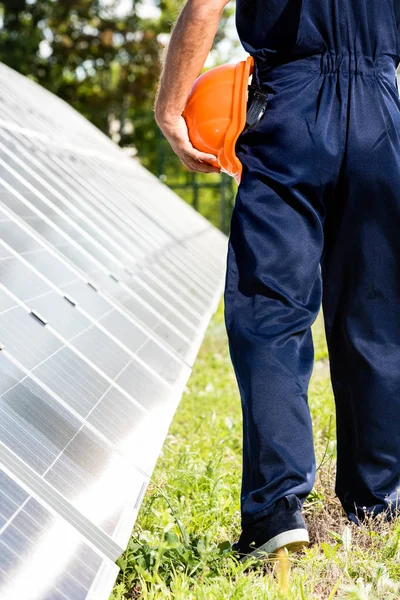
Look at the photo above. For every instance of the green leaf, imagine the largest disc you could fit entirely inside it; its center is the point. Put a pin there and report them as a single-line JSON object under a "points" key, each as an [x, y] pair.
{"points": [[329, 551], [224, 546], [172, 539], [302, 592], [336, 536]]}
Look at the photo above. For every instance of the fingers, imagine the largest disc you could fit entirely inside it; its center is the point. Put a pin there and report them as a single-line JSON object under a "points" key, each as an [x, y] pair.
{"points": [[192, 159], [185, 148], [197, 165], [195, 160], [200, 155]]}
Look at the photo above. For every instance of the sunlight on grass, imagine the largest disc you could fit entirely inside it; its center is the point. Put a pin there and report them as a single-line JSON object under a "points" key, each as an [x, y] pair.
{"points": [[190, 514]]}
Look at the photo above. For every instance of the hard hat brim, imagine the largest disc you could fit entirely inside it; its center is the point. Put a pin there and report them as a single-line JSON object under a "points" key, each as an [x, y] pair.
{"points": [[243, 71]]}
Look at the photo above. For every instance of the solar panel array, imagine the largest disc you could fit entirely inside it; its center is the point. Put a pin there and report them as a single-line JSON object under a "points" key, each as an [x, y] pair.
{"points": [[107, 283]]}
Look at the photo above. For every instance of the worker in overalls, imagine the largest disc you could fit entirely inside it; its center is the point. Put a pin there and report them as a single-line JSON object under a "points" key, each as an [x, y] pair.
{"points": [[316, 220]]}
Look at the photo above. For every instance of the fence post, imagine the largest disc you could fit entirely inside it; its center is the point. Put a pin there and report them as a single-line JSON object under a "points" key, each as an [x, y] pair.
{"points": [[195, 200]]}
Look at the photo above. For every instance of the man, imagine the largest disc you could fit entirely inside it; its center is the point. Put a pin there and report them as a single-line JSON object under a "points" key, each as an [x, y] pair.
{"points": [[316, 219]]}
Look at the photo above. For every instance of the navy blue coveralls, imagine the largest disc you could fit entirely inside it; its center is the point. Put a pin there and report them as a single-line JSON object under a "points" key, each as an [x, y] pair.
{"points": [[317, 219]]}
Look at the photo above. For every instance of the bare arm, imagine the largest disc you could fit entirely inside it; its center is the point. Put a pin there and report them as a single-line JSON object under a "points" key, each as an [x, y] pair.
{"points": [[190, 43]]}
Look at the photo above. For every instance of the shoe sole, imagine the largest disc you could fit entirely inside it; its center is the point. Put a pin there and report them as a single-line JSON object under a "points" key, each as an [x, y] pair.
{"points": [[293, 540]]}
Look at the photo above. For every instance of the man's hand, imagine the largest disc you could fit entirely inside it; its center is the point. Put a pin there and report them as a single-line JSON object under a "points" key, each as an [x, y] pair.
{"points": [[176, 133], [190, 43]]}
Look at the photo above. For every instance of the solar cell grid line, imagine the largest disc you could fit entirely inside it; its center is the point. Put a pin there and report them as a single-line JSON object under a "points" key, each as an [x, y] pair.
{"points": [[169, 314], [181, 270], [38, 198], [13, 112], [157, 297], [29, 116], [214, 249], [172, 279], [194, 275], [147, 241], [30, 534], [40, 488], [24, 241], [110, 157], [34, 398], [205, 275], [131, 439], [216, 242], [108, 398], [165, 279], [177, 256], [27, 97], [103, 359], [55, 288], [12, 96], [114, 219], [89, 180], [178, 225], [68, 463], [148, 203], [188, 313], [200, 252], [178, 271], [86, 211], [82, 255], [166, 291], [127, 205], [42, 311], [25, 100], [67, 318], [147, 185], [172, 314]]}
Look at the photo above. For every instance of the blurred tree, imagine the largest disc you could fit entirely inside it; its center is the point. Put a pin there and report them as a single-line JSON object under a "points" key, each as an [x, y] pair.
{"points": [[21, 34], [84, 52]]}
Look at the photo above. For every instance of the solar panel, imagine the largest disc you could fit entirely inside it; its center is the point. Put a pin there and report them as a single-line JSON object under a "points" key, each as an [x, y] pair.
{"points": [[107, 283], [33, 562]]}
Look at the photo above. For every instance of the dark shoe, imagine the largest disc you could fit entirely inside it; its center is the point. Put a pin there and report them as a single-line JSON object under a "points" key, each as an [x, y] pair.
{"points": [[283, 528]]}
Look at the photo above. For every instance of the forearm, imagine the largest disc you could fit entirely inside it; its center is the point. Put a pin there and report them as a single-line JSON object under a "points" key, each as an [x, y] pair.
{"points": [[189, 46]]}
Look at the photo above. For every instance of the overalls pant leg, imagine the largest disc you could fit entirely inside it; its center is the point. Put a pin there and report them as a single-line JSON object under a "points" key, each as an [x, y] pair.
{"points": [[316, 220]]}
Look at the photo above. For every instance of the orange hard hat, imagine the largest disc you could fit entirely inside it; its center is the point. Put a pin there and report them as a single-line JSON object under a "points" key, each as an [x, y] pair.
{"points": [[216, 111]]}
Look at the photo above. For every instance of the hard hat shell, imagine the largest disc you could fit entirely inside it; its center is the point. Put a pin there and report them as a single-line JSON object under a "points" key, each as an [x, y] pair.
{"points": [[215, 112]]}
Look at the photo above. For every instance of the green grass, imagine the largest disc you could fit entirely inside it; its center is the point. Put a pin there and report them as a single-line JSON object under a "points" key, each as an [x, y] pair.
{"points": [[180, 544]]}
